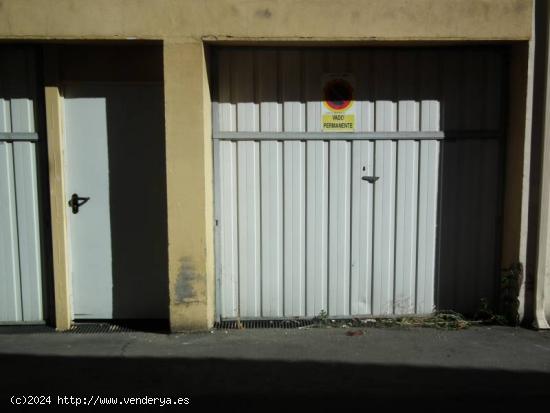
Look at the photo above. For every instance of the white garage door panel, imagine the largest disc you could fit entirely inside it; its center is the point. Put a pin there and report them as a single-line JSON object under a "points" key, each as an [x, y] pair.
{"points": [[294, 215], [21, 290], [384, 227], [298, 236], [28, 227], [299, 229], [405, 227], [317, 226], [271, 159], [229, 251], [339, 227], [361, 241], [10, 294], [248, 178], [427, 217]]}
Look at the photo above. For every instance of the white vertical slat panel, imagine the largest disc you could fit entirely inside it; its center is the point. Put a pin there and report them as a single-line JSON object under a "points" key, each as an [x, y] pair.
{"points": [[226, 105], [427, 224], [463, 249], [362, 68], [450, 208], [468, 267], [452, 87], [457, 203], [430, 115], [243, 91], [294, 109], [408, 107], [339, 228], [272, 228], [473, 95], [28, 229], [271, 110], [385, 158], [408, 116], [384, 228], [248, 182], [314, 69], [462, 189], [407, 185], [475, 176], [294, 228], [5, 115], [385, 106], [337, 61], [21, 89], [468, 235], [488, 233], [229, 243], [5, 122], [22, 115], [361, 227], [493, 80], [405, 227], [10, 292], [430, 69], [317, 227]]}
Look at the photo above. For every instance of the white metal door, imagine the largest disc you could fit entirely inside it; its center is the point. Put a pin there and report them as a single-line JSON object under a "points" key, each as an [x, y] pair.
{"points": [[106, 125], [299, 231], [87, 169]]}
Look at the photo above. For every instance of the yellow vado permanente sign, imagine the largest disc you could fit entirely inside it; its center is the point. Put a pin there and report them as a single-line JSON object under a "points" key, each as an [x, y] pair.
{"points": [[338, 107]]}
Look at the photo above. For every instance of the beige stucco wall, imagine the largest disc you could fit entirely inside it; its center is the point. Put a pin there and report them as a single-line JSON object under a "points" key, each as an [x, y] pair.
{"points": [[271, 19], [184, 26]]}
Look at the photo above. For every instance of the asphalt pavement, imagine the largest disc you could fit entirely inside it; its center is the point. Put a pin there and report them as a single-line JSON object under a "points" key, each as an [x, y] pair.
{"points": [[494, 368]]}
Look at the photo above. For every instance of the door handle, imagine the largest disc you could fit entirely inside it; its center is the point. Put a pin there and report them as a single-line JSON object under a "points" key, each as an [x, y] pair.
{"points": [[76, 202], [370, 179]]}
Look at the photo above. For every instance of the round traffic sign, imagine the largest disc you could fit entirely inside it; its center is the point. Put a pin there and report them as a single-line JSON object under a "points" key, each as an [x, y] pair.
{"points": [[338, 95]]}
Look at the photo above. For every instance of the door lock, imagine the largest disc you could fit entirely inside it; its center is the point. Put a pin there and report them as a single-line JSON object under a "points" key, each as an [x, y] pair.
{"points": [[370, 179], [76, 202]]}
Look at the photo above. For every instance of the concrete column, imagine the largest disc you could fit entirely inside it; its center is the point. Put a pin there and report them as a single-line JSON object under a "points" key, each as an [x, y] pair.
{"points": [[516, 181], [542, 277], [189, 186]]}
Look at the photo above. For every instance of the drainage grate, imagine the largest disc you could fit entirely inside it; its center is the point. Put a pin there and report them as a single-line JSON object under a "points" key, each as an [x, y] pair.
{"points": [[26, 329], [236, 324], [98, 328]]}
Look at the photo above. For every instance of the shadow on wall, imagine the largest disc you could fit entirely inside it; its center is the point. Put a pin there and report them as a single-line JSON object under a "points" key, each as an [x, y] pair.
{"points": [[470, 219], [137, 191], [270, 385]]}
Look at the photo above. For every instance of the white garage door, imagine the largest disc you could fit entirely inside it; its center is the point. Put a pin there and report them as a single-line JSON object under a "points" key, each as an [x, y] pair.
{"points": [[21, 292], [310, 221]]}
